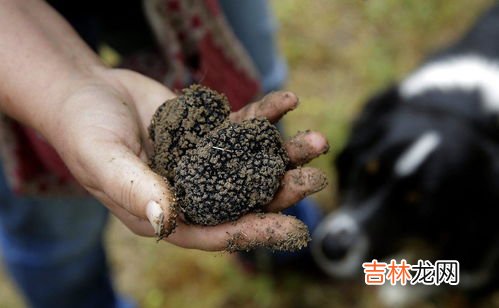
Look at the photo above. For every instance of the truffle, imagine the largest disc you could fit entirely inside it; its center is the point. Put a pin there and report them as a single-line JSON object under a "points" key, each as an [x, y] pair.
{"points": [[180, 123], [234, 170]]}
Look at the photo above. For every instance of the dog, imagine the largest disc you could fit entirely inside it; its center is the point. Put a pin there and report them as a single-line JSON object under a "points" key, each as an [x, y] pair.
{"points": [[422, 162]]}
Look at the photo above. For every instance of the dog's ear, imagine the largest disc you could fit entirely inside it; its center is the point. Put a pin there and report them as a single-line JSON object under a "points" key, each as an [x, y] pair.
{"points": [[367, 129], [378, 107], [371, 123]]}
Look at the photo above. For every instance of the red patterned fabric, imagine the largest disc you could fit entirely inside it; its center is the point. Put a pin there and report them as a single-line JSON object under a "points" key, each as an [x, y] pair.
{"points": [[195, 46]]}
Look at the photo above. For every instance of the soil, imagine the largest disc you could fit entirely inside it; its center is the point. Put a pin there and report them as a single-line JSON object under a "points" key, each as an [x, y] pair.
{"points": [[234, 170], [303, 150], [291, 241]]}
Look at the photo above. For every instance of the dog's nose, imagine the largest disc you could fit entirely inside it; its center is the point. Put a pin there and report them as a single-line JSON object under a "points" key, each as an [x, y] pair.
{"points": [[335, 245]]}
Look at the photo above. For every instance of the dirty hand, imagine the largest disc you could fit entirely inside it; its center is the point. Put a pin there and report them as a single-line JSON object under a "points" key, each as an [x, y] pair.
{"points": [[103, 140], [97, 118]]}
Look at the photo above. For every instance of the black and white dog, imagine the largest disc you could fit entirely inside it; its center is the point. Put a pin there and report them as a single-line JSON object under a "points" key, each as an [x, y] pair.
{"points": [[422, 162]]}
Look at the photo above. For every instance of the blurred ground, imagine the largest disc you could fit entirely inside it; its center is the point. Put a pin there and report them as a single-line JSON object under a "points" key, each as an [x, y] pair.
{"points": [[339, 53]]}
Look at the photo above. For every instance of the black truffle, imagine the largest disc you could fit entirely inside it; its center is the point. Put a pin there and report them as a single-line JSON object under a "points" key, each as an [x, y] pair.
{"points": [[179, 124], [234, 170]]}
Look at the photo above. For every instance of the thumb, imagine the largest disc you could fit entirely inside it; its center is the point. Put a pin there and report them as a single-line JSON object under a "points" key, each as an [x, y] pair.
{"points": [[130, 184]]}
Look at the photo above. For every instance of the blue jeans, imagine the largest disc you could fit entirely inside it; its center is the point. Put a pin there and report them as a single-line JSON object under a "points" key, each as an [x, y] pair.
{"points": [[254, 25], [53, 247]]}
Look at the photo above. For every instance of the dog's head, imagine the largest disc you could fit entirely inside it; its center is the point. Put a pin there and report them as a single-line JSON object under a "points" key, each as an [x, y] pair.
{"points": [[405, 172]]}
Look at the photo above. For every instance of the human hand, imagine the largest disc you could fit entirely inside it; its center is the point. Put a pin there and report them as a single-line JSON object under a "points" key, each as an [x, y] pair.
{"points": [[101, 134]]}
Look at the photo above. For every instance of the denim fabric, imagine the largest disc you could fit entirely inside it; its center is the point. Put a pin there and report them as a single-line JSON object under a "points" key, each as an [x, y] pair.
{"points": [[52, 248], [254, 25]]}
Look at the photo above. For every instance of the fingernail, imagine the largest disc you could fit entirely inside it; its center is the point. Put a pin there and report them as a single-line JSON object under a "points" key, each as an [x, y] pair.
{"points": [[317, 141], [155, 215], [290, 96], [318, 181], [325, 149]]}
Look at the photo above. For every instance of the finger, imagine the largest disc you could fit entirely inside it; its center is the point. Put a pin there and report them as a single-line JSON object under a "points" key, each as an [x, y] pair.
{"points": [[137, 225], [296, 185], [272, 106], [274, 231], [306, 146], [128, 182]]}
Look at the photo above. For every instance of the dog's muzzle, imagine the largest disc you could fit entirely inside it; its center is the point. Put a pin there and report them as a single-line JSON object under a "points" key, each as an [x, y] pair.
{"points": [[339, 245]]}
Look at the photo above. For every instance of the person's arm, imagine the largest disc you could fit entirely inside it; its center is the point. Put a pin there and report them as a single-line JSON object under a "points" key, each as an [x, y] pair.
{"points": [[48, 74], [43, 61], [96, 118]]}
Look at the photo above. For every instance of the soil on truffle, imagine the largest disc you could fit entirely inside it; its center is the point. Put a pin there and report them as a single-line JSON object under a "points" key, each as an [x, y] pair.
{"points": [[236, 169], [179, 124]]}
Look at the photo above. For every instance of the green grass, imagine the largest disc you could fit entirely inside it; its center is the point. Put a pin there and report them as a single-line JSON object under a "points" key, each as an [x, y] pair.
{"points": [[339, 52]]}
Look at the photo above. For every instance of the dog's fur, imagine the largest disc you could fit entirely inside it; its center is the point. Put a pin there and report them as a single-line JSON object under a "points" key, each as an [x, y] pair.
{"points": [[422, 162]]}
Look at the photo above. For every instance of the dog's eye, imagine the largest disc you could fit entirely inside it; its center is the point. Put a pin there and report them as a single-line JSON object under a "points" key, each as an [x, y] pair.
{"points": [[372, 167], [413, 197]]}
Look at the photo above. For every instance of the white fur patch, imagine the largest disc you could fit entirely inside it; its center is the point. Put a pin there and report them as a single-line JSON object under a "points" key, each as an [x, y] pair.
{"points": [[343, 222], [351, 264], [466, 72], [404, 296], [417, 153]]}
